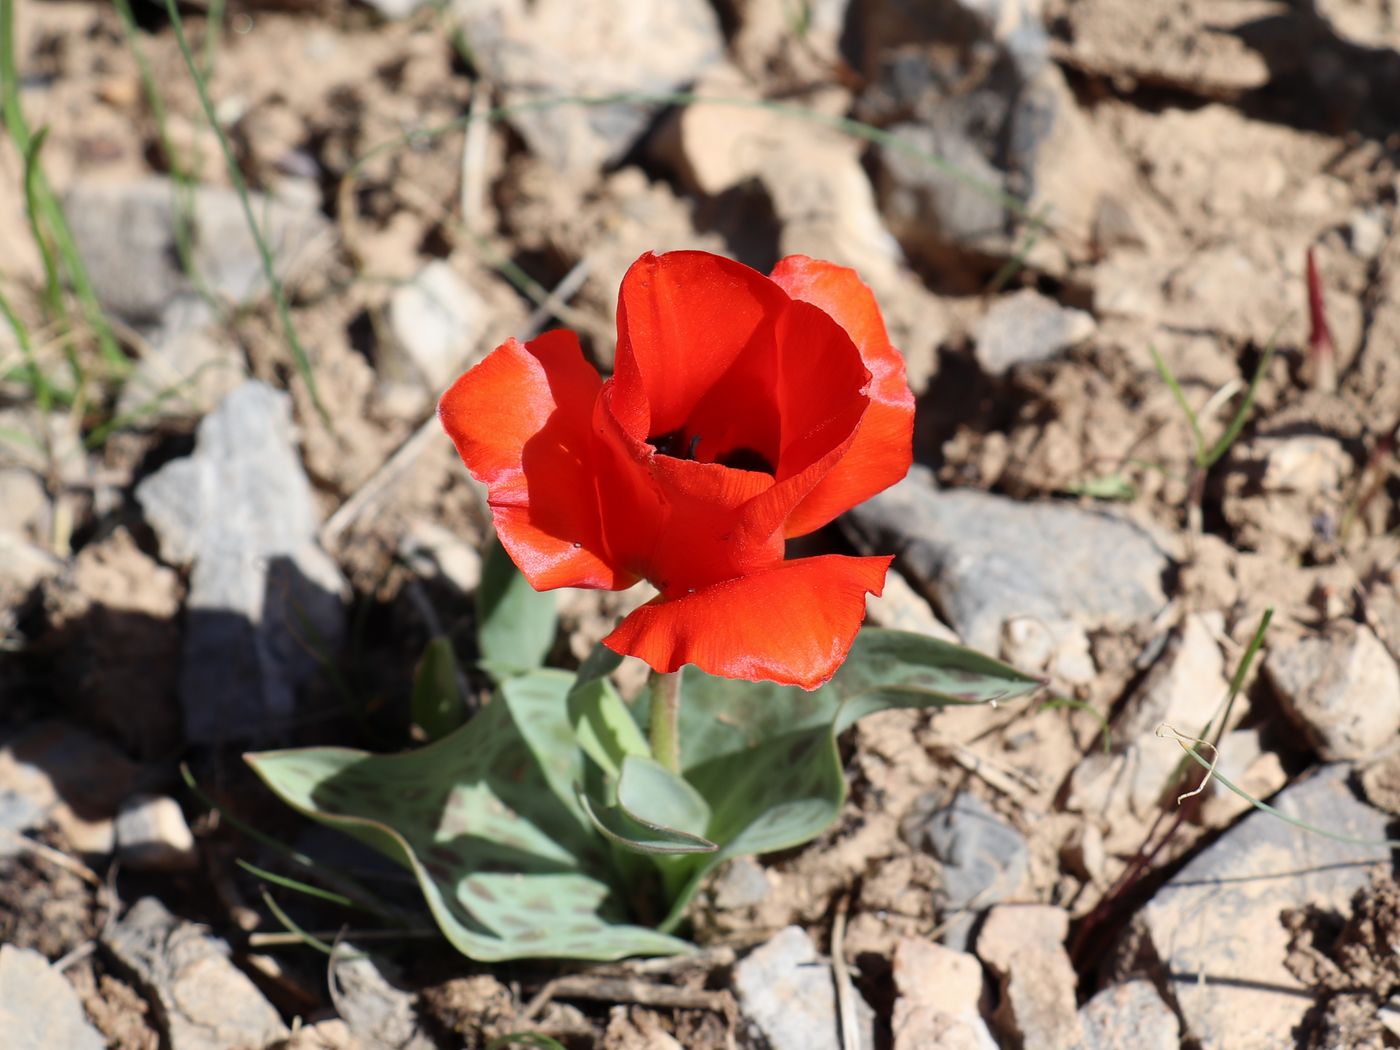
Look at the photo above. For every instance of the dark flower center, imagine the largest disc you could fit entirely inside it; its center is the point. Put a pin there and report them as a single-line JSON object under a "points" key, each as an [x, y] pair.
{"points": [[677, 445]]}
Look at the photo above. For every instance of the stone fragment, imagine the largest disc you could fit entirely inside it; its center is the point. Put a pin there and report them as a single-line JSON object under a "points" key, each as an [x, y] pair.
{"points": [[437, 320], [1188, 45], [984, 859], [377, 1011], [128, 235], [1216, 930], [902, 608], [1024, 946], [39, 1010], [152, 835], [940, 992], [240, 513], [972, 84], [988, 559], [561, 49], [23, 566], [22, 500], [1183, 690], [1342, 689], [1027, 327], [53, 771], [334, 1034], [788, 994], [205, 1002], [431, 550], [1129, 1016], [741, 883]]}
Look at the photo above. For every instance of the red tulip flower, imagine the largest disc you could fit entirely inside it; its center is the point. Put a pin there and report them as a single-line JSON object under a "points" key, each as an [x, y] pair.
{"points": [[743, 411]]}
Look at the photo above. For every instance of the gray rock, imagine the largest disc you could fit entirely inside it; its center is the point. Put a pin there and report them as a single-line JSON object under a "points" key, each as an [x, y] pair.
{"points": [[989, 560], [970, 83], [789, 995], [1028, 327], [22, 499], [127, 235], [192, 365], [205, 1002], [1215, 928], [1129, 1016], [152, 835], [240, 512], [1341, 689], [39, 1010], [437, 320], [561, 49], [741, 883], [1024, 946], [984, 859], [377, 1011], [23, 567]]}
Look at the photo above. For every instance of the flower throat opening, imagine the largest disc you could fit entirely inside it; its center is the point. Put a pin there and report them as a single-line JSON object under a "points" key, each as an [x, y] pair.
{"points": [[675, 444]]}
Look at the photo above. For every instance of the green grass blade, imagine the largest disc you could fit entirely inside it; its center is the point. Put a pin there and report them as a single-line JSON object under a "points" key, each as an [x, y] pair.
{"points": [[34, 375], [294, 884], [50, 214], [1170, 379], [240, 185], [1246, 405]]}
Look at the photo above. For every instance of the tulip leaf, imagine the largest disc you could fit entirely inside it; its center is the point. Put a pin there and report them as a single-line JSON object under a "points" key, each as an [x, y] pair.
{"points": [[764, 756], [516, 624], [437, 705], [656, 811], [604, 728], [891, 669], [507, 869]]}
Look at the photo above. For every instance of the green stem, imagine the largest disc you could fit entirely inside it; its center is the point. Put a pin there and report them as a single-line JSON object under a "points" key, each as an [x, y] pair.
{"points": [[666, 720]]}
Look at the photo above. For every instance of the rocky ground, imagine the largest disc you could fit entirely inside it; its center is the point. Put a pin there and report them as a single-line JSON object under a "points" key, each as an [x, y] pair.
{"points": [[201, 552]]}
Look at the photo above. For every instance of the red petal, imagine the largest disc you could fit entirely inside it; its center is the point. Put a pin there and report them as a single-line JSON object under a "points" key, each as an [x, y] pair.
{"points": [[883, 447], [683, 319], [522, 423], [793, 623]]}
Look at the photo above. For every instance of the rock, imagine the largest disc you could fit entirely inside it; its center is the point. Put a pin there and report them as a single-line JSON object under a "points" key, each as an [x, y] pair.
{"points": [[984, 859], [39, 1010], [1246, 763], [1129, 1016], [152, 835], [23, 500], [1024, 946], [205, 1002], [940, 992], [901, 608], [1342, 689], [1215, 928], [377, 1012], [789, 995], [1380, 780], [741, 883], [1366, 233], [432, 550], [325, 1035], [1189, 45], [23, 567], [1184, 690], [191, 367], [980, 115], [240, 512], [988, 559], [437, 320], [1283, 494], [559, 49], [127, 234], [1027, 327], [53, 771]]}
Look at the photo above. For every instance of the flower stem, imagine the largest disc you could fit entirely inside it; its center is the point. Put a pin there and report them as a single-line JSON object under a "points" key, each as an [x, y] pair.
{"points": [[666, 719]]}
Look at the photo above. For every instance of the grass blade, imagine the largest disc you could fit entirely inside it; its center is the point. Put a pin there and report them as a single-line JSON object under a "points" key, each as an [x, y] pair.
{"points": [[1246, 405], [240, 186], [1170, 379]]}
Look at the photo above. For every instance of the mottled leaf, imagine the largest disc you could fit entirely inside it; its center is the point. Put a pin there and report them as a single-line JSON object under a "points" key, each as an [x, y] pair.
{"points": [[516, 624], [438, 706]]}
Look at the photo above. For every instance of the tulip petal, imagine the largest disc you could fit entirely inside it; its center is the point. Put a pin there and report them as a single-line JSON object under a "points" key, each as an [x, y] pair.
{"points": [[683, 319], [883, 447], [522, 423], [792, 623]]}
